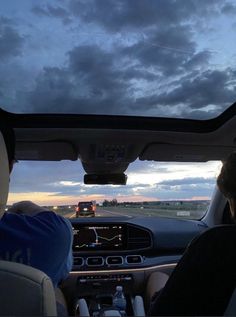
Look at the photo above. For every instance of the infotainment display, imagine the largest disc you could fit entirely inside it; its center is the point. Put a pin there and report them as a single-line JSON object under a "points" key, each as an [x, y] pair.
{"points": [[99, 237]]}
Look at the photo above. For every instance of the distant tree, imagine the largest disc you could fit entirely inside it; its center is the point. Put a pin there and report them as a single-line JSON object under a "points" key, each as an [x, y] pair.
{"points": [[114, 202], [105, 203]]}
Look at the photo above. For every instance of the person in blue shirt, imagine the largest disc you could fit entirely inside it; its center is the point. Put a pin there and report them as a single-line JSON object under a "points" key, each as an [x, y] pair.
{"points": [[31, 235], [37, 237]]}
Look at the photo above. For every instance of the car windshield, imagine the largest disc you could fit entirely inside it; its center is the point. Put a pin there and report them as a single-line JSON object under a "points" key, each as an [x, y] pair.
{"points": [[166, 189], [147, 58]]}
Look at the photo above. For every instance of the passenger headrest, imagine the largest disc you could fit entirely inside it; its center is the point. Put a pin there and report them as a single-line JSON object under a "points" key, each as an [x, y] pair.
{"points": [[4, 175], [25, 291]]}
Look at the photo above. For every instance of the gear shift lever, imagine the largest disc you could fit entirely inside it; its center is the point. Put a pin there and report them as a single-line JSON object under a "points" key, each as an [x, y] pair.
{"points": [[81, 308]]}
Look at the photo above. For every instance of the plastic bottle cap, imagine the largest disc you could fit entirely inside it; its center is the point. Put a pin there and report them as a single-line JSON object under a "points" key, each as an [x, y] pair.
{"points": [[119, 288]]}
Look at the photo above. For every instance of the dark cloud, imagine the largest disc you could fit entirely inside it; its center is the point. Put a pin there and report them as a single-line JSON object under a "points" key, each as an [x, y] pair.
{"points": [[208, 88], [52, 92], [212, 87], [161, 66], [11, 43], [52, 11], [98, 81], [202, 114], [197, 60], [168, 51], [137, 14], [96, 67], [91, 83], [228, 8]]}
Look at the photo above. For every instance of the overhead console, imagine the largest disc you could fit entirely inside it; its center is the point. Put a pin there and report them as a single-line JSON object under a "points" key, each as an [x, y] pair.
{"points": [[42, 151]]}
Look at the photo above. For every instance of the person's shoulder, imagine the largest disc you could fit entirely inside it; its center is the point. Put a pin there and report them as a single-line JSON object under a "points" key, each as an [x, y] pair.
{"points": [[44, 226], [44, 218], [49, 214], [53, 218], [54, 225]]}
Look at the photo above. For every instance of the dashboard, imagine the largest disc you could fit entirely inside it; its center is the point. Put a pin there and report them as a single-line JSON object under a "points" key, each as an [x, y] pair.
{"points": [[118, 243], [124, 251]]}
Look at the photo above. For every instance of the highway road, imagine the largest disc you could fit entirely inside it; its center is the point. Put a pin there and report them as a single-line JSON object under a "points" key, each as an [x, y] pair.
{"points": [[134, 212], [103, 212]]}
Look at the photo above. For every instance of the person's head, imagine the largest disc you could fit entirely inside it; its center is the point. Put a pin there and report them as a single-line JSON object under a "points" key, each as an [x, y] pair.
{"points": [[9, 138], [226, 181]]}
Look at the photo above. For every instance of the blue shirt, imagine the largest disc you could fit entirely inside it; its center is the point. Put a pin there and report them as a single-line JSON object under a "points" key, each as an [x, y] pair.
{"points": [[43, 241]]}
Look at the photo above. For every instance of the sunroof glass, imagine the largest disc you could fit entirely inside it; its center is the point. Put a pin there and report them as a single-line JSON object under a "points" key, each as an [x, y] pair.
{"points": [[146, 58]]}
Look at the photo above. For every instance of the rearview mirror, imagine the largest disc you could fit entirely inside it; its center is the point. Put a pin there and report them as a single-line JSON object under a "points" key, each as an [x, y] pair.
{"points": [[105, 179]]}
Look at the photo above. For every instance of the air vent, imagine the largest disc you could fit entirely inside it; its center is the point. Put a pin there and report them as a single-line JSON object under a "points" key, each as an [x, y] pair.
{"points": [[134, 259], [138, 238], [78, 261], [95, 261], [114, 260]]}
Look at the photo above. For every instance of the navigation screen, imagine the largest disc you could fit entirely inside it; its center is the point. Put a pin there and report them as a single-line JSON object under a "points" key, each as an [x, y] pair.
{"points": [[108, 237]]}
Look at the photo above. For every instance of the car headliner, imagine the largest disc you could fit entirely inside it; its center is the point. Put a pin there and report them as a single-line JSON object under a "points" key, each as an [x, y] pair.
{"points": [[56, 137]]}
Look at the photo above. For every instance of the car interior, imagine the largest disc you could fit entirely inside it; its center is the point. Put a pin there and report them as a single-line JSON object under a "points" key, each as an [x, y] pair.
{"points": [[123, 113], [150, 247]]}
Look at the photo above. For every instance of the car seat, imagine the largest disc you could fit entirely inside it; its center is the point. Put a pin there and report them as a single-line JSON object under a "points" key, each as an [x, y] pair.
{"points": [[24, 291], [204, 279]]}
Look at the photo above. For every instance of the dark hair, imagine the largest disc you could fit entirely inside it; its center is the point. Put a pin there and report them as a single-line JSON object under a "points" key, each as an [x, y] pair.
{"points": [[226, 181], [9, 138]]}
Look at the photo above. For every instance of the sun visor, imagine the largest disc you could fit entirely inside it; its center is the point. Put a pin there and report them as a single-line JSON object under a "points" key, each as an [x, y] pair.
{"points": [[46, 151], [184, 153], [4, 175]]}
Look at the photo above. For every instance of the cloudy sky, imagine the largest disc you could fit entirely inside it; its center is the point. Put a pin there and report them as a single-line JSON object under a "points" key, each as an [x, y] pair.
{"points": [[61, 183], [131, 57]]}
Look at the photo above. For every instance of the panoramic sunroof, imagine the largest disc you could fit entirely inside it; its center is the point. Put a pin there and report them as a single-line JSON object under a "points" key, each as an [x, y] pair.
{"points": [[148, 58]]}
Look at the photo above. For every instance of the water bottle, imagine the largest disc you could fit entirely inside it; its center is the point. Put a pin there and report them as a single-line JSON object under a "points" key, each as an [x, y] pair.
{"points": [[119, 301]]}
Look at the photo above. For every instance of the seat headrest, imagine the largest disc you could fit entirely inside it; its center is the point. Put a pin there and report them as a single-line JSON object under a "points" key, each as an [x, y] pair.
{"points": [[4, 175], [25, 291]]}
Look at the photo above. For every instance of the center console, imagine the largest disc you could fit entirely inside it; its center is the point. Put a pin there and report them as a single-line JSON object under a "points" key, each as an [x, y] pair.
{"points": [[102, 306], [103, 252]]}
